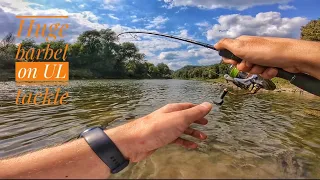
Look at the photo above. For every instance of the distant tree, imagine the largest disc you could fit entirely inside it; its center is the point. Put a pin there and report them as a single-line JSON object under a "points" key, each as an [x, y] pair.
{"points": [[153, 71], [54, 45], [164, 70], [311, 31], [27, 44], [7, 55], [202, 72], [7, 41]]}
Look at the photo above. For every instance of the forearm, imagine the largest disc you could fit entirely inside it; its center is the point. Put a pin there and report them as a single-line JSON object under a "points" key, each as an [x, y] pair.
{"points": [[72, 160], [135, 140]]}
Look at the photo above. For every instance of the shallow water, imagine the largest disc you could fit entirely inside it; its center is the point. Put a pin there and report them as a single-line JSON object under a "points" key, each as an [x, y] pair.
{"points": [[258, 136]]}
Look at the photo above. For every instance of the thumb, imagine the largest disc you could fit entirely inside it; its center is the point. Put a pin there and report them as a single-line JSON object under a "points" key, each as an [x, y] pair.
{"points": [[225, 43], [193, 114]]}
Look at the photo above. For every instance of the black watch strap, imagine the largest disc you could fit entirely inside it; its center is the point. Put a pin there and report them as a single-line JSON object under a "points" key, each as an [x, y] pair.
{"points": [[105, 149]]}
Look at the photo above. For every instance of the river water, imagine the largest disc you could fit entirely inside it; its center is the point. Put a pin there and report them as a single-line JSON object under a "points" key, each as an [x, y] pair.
{"points": [[266, 135]]}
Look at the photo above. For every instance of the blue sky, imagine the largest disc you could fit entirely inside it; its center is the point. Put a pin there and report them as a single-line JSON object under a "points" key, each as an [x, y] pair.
{"points": [[204, 20]]}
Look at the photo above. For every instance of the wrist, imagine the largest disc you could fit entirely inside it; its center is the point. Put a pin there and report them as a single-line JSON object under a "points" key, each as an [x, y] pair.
{"points": [[303, 56], [123, 140]]}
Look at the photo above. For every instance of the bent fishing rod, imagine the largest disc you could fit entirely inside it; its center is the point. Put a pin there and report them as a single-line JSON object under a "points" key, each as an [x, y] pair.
{"points": [[303, 81]]}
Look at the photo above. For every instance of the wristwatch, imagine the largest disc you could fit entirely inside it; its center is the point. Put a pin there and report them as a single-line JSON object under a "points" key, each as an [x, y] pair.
{"points": [[105, 149]]}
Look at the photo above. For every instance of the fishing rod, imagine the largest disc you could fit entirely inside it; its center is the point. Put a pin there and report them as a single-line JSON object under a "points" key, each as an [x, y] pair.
{"points": [[303, 81]]}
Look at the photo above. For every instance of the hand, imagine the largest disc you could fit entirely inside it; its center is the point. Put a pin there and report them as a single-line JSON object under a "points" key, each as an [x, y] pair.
{"points": [[140, 138], [263, 55]]}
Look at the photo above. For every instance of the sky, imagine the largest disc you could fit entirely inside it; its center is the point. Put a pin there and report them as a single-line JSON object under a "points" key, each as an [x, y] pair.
{"points": [[203, 20]]}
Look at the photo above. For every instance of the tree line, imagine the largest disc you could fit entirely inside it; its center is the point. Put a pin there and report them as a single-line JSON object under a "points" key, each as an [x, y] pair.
{"points": [[201, 72], [95, 54]]}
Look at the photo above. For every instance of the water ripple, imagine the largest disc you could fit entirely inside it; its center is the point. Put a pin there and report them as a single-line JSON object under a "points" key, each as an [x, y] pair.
{"points": [[268, 135]]}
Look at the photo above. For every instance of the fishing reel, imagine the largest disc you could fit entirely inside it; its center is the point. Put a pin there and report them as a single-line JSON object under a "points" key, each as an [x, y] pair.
{"points": [[245, 81]]}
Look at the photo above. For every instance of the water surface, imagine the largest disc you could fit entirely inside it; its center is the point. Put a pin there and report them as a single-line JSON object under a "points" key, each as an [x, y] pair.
{"points": [[266, 135]]}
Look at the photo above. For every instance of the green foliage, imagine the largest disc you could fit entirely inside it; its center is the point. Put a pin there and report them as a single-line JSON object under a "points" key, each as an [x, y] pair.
{"points": [[163, 70], [311, 31], [7, 56], [202, 72], [95, 54]]}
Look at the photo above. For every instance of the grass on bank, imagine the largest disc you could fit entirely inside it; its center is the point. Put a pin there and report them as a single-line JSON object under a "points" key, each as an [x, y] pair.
{"points": [[280, 83]]}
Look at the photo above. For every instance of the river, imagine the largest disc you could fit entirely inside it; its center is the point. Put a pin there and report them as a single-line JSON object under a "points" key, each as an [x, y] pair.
{"points": [[267, 135]]}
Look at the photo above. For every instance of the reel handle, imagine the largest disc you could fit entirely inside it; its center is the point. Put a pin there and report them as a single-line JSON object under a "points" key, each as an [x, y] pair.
{"points": [[303, 81]]}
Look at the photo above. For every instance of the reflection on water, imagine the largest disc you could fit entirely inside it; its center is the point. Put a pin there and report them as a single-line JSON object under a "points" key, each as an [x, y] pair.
{"points": [[265, 135]]}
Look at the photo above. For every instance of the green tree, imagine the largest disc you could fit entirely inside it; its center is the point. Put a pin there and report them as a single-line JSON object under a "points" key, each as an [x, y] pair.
{"points": [[164, 70], [54, 45], [311, 31], [95, 54], [7, 56], [153, 71], [27, 44], [201, 72]]}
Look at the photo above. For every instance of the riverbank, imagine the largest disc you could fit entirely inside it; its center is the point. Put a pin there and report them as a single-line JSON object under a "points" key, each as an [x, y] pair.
{"points": [[283, 86]]}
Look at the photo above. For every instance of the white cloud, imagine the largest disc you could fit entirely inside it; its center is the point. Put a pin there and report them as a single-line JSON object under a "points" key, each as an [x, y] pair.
{"points": [[147, 44], [154, 44], [181, 9], [207, 56], [177, 65], [203, 24], [82, 5], [176, 55], [214, 4], [263, 24], [112, 16], [205, 62], [78, 22], [157, 22], [138, 20], [110, 4], [180, 58], [184, 33], [286, 7], [68, 0], [111, 1]]}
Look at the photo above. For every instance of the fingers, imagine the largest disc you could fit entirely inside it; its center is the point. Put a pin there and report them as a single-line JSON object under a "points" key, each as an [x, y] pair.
{"points": [[269, 73], [244, 66], [195, 133], [186, 143], [175, 107], [257, 69], [202, 121], [193, 114], [229, 61]]}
